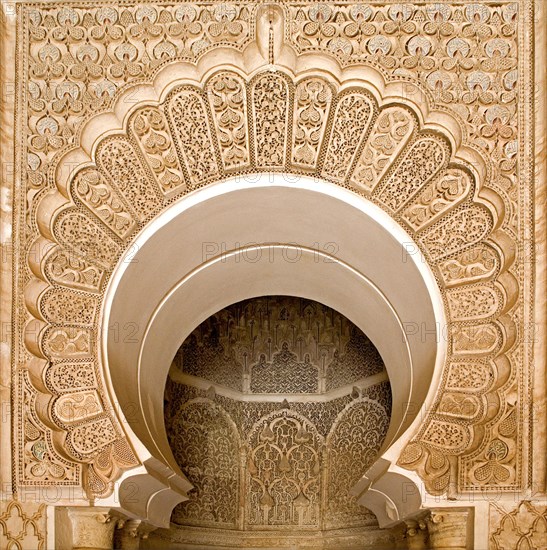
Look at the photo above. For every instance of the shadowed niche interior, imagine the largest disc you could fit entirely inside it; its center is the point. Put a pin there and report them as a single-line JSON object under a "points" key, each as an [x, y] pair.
{"points": [[274, 409]]}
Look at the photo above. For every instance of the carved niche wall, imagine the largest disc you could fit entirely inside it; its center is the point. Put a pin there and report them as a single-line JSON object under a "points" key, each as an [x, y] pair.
{"points": [[443, 145], [260, 462]]}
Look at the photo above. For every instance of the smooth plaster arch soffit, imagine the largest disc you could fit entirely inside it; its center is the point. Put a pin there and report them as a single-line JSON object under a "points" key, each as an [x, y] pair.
{"points": [[382, 140], [192, 287]]}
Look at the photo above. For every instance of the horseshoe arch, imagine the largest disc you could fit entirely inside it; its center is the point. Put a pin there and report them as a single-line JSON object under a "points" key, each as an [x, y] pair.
{"points": [[197, 145]]}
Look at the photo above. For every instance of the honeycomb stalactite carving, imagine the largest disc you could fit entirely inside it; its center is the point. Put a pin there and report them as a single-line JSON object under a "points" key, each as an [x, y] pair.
{"points": [[278, 376], [468, 224], [263, 464], [279, 345], [359, 360]]}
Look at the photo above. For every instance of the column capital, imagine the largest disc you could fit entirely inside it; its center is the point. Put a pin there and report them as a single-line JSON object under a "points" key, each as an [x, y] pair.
{"points": [[416, 533], [129, 533], [448, 528], [92, 527]]}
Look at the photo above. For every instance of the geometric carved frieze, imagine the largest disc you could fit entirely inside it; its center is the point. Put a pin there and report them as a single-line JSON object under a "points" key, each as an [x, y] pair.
{"points": [[23, 525], [451, 168], [524, 526]]}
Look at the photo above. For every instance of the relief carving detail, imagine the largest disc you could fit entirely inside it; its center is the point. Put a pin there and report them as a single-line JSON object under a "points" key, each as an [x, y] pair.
{"points": [[467, 62]]}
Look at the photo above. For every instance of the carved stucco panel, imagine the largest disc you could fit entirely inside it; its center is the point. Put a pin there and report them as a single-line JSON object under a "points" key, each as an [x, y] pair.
{"points": [[470, 60], [519, 527], [22, 525]]}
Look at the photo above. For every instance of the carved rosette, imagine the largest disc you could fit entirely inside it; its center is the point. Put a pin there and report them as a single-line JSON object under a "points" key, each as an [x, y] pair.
{"points": [[231, 123]]}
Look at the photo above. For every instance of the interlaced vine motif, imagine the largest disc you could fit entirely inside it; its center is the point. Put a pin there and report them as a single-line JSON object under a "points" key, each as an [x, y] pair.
{"points": [[86, 238], [352, 117], [228, 99], [284, 469], [68, 269], [189, 123], [389, 135], [103, 200], [409, 176], [352, 448], [452, 187], [149, 126], [270, 95], [313, 98], [205, 445], [122, 165]]}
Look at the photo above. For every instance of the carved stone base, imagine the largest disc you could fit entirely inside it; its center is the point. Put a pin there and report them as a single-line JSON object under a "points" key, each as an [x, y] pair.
{"points": [[129, 534], [416, 534], [340, 539]]}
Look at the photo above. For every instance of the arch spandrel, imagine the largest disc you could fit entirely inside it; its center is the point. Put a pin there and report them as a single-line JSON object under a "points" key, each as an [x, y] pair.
{"points": [[335, 113]]}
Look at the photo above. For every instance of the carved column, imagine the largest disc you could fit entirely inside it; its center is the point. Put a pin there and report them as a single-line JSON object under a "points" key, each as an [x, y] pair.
{"points": [[447, 529], [129, 533], [92, 528], [416, 534]]}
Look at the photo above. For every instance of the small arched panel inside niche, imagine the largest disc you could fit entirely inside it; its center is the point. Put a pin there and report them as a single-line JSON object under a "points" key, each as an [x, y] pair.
{"points": [[286, 378]]}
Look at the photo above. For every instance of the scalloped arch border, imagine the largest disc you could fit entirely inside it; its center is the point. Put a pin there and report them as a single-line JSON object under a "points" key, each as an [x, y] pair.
{"points": [[97, 128]]}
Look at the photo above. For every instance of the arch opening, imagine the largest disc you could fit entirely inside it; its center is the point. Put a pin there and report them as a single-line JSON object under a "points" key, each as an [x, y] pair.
{"points": [[272, 235], [274, 407]]}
